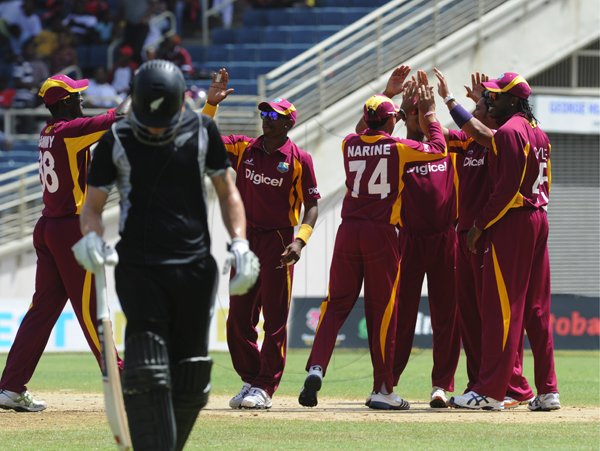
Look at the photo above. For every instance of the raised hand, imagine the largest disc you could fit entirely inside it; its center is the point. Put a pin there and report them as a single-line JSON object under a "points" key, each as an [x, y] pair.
{"points": [[426, 101], [476, 90], [443, 89], [218, 91], [409, 97], [395, 83]]}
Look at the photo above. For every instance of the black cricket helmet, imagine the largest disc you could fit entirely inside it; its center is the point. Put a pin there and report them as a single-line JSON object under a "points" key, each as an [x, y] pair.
{"points": [[157, 96]]}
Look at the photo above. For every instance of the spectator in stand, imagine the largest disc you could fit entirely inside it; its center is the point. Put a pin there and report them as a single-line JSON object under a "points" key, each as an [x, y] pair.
{"points": [[29, 72], [122, 72], [20, 13], [47, 40], [157, 30], [8, 33], [82, 24], [136, 14], [105, 28], [171, 50], [5, 143], [6, 93], [100, 93], [65, 57], [226, 12]]}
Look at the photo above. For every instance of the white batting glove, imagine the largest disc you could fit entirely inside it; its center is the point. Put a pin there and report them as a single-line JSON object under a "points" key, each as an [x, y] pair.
{"points": [[246, 266], [93, 253]]}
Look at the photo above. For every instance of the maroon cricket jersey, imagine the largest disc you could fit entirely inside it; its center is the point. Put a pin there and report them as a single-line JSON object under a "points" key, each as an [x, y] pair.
{"points": [[519, 170], [273, 187], [373, 161], [472, 173], [64, 147]]}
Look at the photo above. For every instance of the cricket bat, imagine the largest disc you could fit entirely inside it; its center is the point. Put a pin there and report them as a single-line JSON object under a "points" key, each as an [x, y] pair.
{"points": [[113, 396]]}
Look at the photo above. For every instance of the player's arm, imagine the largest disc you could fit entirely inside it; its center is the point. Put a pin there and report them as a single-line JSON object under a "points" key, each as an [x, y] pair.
{"points": [[217, 92], [292, 252], [90, 219], [465, 120], [394, 86], [508, 159], [230, 201]]}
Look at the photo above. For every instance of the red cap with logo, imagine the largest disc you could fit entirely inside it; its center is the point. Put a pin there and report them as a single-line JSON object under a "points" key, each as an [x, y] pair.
{"points": [[59, 87], [510, 82], [280, 106], [378, 108]]}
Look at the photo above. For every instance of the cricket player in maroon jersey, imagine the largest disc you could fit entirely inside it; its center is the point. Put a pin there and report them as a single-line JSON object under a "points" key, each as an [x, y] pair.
{"points": [[427, 240], [366, 245], [513, 227], [275, 178], [64, 146], [473, 191]]}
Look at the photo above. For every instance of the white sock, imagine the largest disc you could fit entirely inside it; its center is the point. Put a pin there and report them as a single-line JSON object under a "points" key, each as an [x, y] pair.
{"points": [[316, 370]]}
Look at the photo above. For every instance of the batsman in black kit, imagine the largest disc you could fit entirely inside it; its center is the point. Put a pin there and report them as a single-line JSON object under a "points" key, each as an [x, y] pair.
{"points": [[166, 278]]}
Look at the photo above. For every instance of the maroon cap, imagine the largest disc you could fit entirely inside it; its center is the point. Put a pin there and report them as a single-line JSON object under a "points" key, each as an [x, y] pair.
{"points": [[510, 82], [378, 108], [281, 106], [60, 86]]}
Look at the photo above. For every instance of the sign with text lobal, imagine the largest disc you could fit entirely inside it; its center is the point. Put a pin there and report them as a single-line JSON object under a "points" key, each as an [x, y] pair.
{"points": [[574, 322], [568, 114]]}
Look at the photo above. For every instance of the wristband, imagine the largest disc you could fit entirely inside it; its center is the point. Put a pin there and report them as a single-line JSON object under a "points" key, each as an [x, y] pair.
{"points": [[304, 233], [460, 115], [448, 98], [210, 110]]}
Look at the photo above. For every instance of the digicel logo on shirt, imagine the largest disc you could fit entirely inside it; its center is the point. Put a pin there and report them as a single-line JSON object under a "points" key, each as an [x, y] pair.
{"points": [[473, 162], [262, 179], [425, 169]]}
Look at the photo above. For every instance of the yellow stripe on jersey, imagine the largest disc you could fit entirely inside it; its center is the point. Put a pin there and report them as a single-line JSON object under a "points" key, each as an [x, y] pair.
{"points": [[288, 278], [387, 316], [74, 146], [517, 199], [237, 149], [455, 181], [503, 296], [296, 197], [322, 311], [370, 139], [458, 143], [549, 168], [85, 309]]}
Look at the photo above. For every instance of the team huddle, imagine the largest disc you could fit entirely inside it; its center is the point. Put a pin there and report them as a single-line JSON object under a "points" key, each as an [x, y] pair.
{"points": [[466, 207]]}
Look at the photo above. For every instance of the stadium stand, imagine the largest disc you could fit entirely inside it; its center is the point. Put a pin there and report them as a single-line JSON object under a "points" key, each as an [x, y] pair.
{"points": [[269, 37]]}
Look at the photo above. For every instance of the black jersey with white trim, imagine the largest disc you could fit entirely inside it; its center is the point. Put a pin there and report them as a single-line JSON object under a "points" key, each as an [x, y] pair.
{"points": [[163, 198]]}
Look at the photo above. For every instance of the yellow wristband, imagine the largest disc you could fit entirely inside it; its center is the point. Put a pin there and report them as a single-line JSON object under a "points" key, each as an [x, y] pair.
{"points": [[304, 233], [210, 110]]}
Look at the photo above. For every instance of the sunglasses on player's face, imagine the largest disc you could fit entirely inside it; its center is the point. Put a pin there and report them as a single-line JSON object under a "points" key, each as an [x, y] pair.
{"points": [[270, 115]]}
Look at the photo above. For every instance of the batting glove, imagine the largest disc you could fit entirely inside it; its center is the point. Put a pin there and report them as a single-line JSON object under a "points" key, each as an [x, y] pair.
{"points": [[93, 253], [246, 266]]}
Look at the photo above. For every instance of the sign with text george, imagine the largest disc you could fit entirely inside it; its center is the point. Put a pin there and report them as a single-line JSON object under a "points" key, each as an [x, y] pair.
{"points": [[568, 114]]}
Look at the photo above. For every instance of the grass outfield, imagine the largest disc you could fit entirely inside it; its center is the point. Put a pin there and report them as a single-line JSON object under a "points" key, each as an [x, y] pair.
{"points": [[349, 377]]}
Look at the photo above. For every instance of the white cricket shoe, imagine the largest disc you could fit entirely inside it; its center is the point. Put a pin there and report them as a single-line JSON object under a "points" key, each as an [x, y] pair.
{"points": [[545, 403], [390, 401], [21, 402], [439, 400], [236, 401], [257, 398], [473, 400]]}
